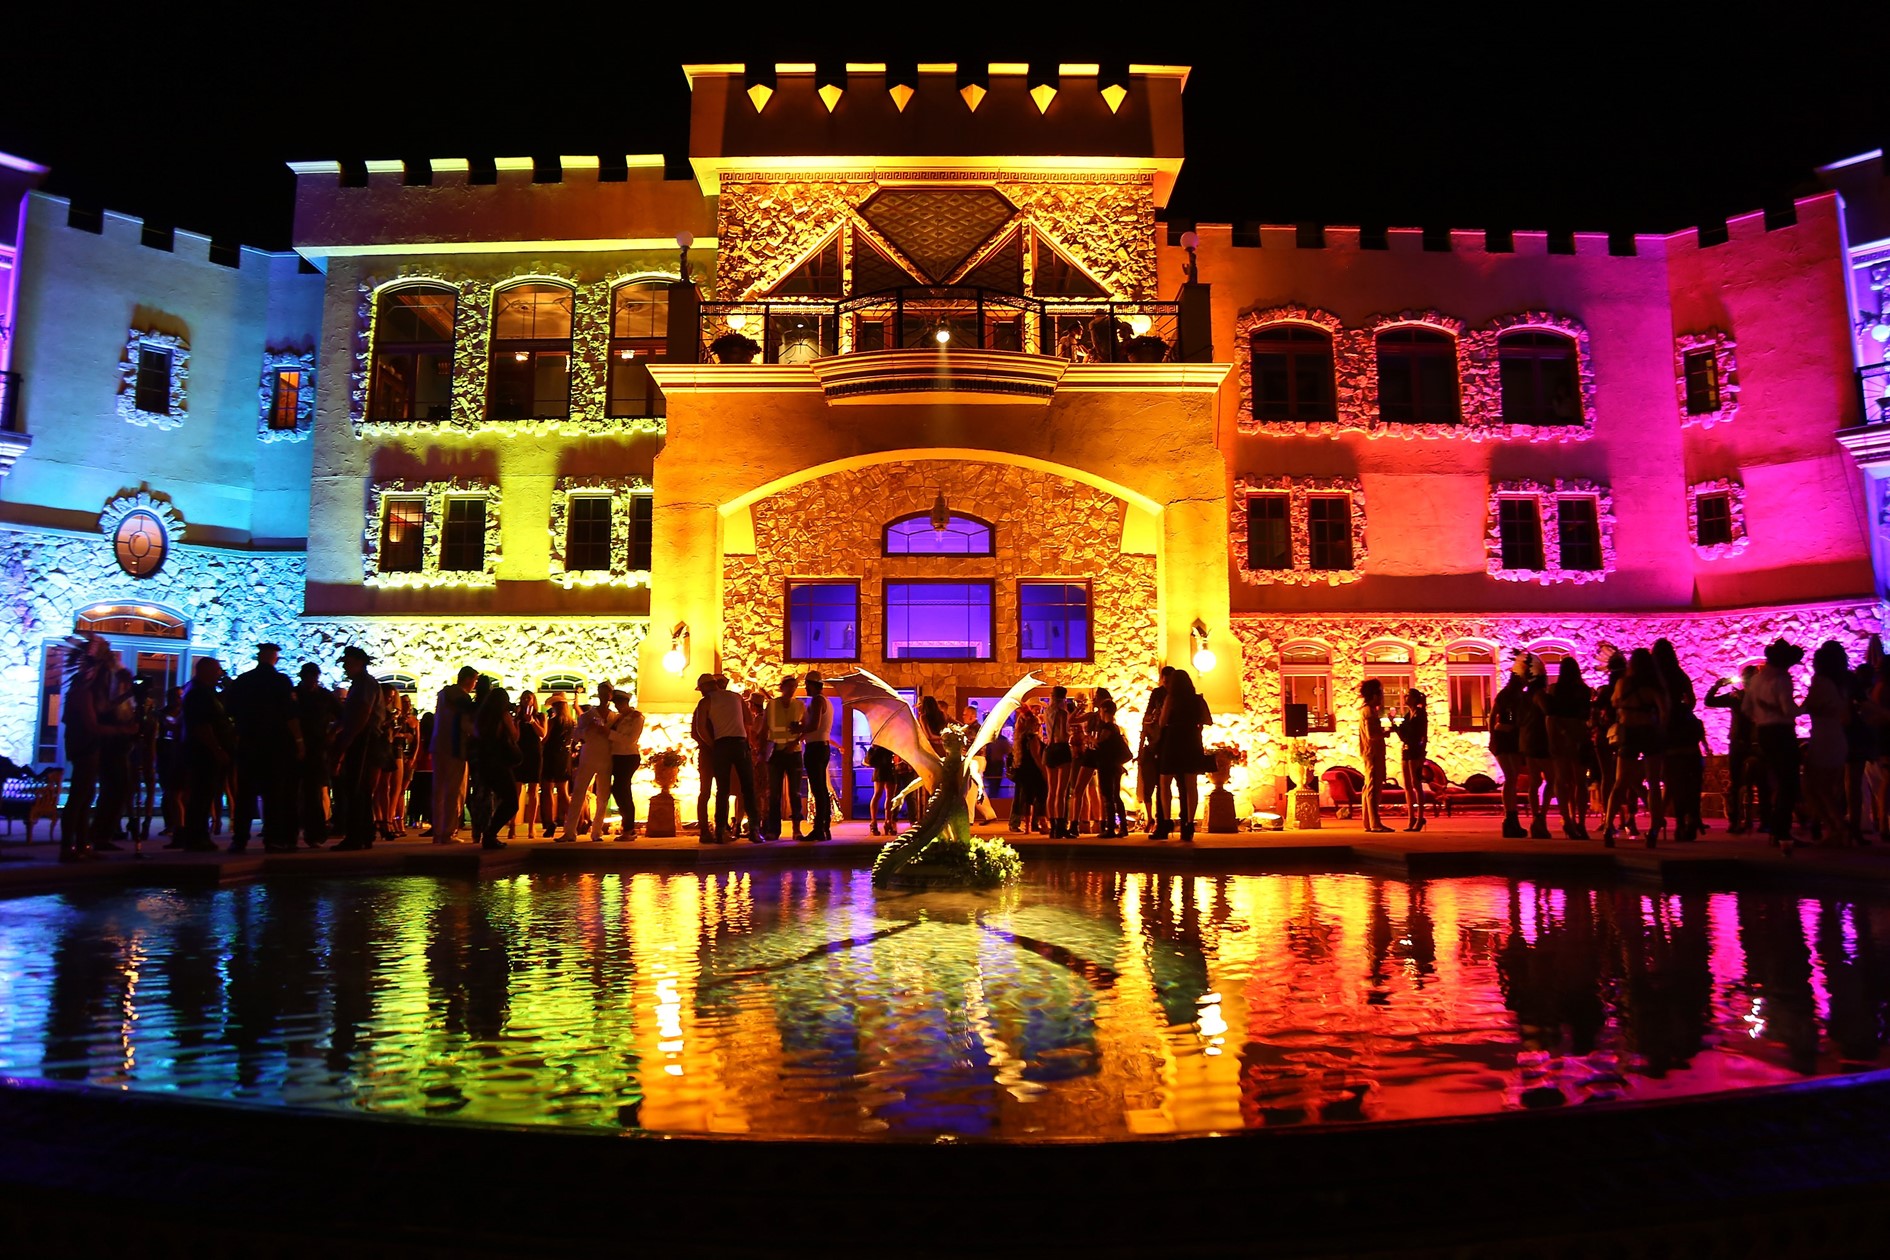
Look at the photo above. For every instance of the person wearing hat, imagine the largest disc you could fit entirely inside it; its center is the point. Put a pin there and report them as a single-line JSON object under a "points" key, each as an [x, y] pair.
{"points": [[269, 748], [452, 740], [1774, 711], [316, 710], [351, 760]]}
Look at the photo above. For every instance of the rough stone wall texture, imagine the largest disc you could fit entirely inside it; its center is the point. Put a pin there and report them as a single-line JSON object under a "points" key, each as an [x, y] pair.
{"points": [[1710, 645], [1355, 373], [1047, 527], [237, 599], [1725, 371], [1299, 529], [1549, 497], [767, 224]]}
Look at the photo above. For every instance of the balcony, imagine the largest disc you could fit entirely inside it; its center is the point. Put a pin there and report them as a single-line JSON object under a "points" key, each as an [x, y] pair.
{"points": [[13, 441], [1873, 389], [949, 318]]}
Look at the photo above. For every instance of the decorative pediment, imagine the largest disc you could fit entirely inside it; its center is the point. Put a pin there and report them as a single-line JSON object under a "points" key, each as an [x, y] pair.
{"points": [[938, 228]]}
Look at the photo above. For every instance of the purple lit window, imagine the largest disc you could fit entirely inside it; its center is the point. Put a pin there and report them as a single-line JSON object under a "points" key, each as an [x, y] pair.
{"points": [[1519, 522], [1579, 534], [1702, 373], [1715, 512], [1053, 621], [962, 536], [938, 621], [823, 621]]}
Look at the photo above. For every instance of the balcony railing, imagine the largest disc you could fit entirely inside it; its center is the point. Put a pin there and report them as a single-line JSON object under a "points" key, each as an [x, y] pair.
{"points": [[797, 330], [1873, 387], [9, 402]]}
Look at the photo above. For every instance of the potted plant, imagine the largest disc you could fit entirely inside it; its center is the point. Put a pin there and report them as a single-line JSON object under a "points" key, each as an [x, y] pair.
{"points": [[1226, 757], [665, 766], [733, 347], [1304, 811], [1145, 349]]}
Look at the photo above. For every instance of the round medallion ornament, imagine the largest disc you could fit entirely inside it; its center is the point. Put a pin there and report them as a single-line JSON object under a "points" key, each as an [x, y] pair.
{"points": [[140, 543]]}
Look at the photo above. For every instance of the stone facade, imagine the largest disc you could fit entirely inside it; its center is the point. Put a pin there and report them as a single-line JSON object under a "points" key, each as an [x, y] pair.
{"points": [[472, 328], [1549, 496], [1046, 527], [1299, 490], [620, 491], [1736, 503], [1355, 375], [179, 350], [276, 361], [1726, 368], [434, 496], [1710, 645], [768, 224]]}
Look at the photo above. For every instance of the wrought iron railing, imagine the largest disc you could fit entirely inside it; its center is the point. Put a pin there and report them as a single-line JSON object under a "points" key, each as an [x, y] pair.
{"points": [[795, 330], [1873, 388], [9, 402]]}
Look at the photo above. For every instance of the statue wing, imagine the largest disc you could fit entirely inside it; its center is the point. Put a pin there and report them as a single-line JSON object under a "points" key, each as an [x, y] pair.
{"points": [[890, 719], [1001, 713]]}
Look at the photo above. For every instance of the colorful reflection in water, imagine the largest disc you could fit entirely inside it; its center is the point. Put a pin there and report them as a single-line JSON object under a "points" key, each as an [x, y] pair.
{"points": [[1083, 1004]]}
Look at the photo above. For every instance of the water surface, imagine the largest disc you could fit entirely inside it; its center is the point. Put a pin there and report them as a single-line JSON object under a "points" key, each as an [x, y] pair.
{"points": [[804, 1002]]}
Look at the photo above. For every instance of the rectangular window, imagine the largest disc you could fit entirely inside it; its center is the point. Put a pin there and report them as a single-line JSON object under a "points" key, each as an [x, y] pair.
{"points": [[1519, 522], [403, 535], [1715, 519], [587, 533], [285, 399], [463, 536], [154, 380], [641, 506], [1315, 692], [1269, 534], [412, 385], [530, 385], [1579, 534], [1329, 530], [633, 390], [1053, 621], [1702, 372], [938, 621], [1470, 702], [823, 621]]}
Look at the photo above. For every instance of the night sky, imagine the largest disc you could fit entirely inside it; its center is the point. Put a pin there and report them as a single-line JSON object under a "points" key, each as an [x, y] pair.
{"points": [[1409, 115]]}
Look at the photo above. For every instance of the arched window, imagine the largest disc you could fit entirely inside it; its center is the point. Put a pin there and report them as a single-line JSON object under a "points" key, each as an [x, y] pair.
{"points": [[143, 620], [1306, 679], [568, 681], [639, 336], [1551, 652], [1540, 382], [403, 683], [1417, 376], [1389, 662], [530, 373], [915, 535], [1470, 668], [1292, 373], [413, 353]]}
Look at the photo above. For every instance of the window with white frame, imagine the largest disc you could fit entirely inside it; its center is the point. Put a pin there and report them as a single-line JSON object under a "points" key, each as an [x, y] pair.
{"points": [[1306, 678], [1716, 511], [1390, 662], [639, 336], [1470, 669], [529, 377]]}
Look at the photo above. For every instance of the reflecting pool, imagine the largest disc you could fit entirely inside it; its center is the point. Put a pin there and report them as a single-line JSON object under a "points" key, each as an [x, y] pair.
{"points": [[806, 1003]]}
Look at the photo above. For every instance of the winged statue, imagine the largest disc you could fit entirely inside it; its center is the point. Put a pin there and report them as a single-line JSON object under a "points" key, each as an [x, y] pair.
{"points": [[956, 781]]}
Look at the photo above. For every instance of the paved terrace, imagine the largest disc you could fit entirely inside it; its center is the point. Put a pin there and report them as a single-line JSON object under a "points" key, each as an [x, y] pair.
{"points": [[1447, 846]]}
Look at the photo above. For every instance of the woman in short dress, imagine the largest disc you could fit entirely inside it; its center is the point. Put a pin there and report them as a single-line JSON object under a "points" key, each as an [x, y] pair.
{"points": [[1057, 760], [1027, 772], [554, 764], [531, 738], [1184, 713]]}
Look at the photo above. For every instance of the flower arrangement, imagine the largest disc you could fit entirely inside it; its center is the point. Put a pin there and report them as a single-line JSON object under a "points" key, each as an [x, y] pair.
{"points": [[1304, 755], [665, 765]]}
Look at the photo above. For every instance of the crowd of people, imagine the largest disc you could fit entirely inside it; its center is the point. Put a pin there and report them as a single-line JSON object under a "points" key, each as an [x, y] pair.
{"points": [[1635, 741], [303, 762]]}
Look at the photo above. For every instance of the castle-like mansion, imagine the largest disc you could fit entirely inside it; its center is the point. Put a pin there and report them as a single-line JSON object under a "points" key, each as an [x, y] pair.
{"points": [[914, 375]]}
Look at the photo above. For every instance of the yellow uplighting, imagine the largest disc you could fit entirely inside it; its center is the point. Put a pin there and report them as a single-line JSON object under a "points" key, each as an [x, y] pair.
{"points": [[830, 94], [1043, 94], [942, 336], [973, 94], [1114, 95], [1205, 661], [902, 95], [759, 94]]}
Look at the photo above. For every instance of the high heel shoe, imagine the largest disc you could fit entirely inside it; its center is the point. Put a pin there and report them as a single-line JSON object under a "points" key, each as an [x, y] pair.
{"points": [[1656, 833], [1607, 836], [1420, 823]]}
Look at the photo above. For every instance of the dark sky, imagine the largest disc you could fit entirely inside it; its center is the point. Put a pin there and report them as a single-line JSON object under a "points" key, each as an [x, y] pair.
{"points": [[1418, 114]]}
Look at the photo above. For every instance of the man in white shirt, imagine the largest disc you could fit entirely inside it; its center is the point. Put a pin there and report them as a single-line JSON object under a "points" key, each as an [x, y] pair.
{"points": [[785, 763], [452, 738], [626, 735], [818, 726], [593, 766], [727, 722]]}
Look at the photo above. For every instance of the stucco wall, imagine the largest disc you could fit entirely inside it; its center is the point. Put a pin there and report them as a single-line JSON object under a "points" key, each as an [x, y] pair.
{"points": [[80, 296], [1046, 527]]}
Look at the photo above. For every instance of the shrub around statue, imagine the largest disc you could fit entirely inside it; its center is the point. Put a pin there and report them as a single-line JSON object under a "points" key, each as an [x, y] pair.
{"points": [[949, 862]]}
